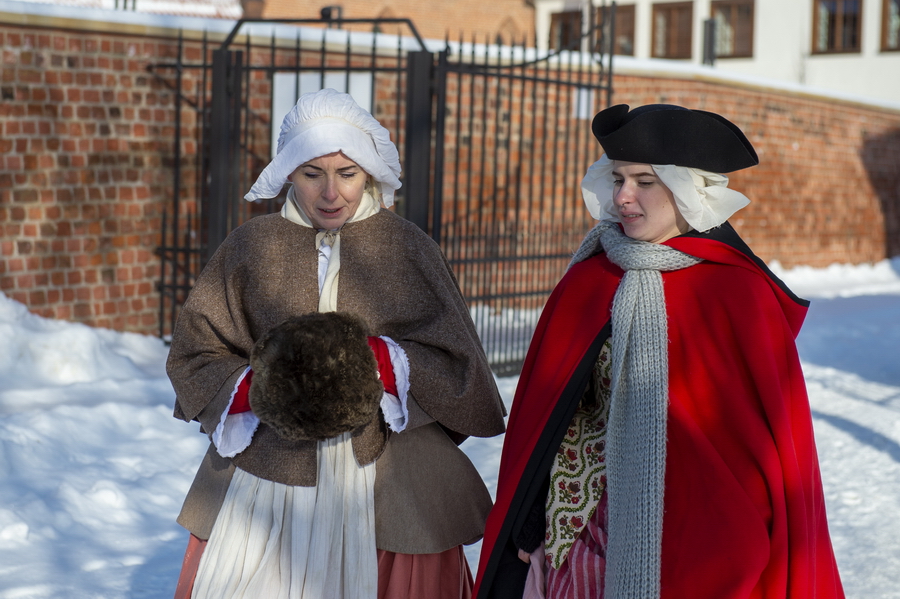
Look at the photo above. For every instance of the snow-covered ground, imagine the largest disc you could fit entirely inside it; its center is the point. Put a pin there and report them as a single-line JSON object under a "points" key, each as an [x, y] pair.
{"points": [[93, 467]]}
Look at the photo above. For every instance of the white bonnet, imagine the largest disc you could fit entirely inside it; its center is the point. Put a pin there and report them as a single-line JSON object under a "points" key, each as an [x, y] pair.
{"points": [[325, 122], [702, 197]]}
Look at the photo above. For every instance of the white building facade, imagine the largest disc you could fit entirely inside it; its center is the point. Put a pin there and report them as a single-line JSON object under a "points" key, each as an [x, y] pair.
{"points": [[846, 46]]}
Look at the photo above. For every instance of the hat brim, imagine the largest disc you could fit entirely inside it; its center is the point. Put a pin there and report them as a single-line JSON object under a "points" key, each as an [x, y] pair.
{"points": [[667, 134]]}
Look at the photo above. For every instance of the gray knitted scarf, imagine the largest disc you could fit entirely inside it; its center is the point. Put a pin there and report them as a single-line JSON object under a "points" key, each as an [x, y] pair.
{"points": [[636, 431]]}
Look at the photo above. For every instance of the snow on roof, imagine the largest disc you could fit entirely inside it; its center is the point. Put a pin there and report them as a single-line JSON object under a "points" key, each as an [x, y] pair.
{"points": [[222, 9]]}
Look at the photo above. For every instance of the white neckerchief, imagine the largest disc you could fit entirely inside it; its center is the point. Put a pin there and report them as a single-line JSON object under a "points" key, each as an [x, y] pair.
{"points": [[328, 242]]}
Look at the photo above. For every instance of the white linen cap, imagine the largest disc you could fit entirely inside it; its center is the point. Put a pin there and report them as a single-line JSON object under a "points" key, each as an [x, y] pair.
{"points": [[702, 197], [325, 122]]}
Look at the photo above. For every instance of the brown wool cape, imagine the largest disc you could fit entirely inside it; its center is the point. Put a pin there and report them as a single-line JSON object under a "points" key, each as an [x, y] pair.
{"points": [[428, 496]]}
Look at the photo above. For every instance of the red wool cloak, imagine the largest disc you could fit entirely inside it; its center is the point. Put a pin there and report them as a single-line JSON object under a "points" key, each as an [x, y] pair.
{"points": [[744, 508]]}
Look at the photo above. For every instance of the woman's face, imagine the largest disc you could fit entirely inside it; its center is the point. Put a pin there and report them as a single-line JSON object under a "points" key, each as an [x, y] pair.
{"points": [[645, 205], [329, 189]]}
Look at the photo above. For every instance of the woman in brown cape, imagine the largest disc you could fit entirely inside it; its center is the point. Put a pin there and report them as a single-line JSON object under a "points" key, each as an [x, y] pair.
{"points": [[282, 506]]}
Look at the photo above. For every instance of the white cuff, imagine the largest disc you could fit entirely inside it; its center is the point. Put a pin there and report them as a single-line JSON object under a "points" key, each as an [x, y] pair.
{"points": [[395, 410], [235, 431]]}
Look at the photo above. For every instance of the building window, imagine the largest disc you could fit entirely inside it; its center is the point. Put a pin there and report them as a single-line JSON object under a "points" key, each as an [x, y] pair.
{"points": [[565, 30], [624, 25], [837, 26], [734, 28], [673, 24], [890, 28]]}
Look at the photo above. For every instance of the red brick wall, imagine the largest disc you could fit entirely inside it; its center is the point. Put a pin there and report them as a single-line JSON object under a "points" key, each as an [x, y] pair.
{"points": [[85, 134], [86, 138]]}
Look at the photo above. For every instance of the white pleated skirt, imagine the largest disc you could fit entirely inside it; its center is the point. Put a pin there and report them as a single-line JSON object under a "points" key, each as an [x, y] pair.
{"points": [[282, 542]]}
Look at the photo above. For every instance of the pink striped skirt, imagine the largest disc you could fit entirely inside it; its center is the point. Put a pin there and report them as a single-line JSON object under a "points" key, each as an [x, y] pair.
{"points": [[582, 575]]}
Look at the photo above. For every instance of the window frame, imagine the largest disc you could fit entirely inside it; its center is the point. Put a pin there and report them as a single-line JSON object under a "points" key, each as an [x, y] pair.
{"points": [[839, 27], [885, 26], [672, 8], [735, 6], [558, 19], [621, 10]]}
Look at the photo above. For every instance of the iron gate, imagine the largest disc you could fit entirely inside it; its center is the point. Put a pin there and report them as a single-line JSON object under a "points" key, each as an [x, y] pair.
{"points": [[507, 196], [494, 141]]}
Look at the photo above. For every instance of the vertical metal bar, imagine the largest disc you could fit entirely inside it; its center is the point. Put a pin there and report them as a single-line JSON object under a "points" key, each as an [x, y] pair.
{"points": [[272, 59], [557, 217], [524, 264], [437, 199], [497, 272], [440, 81], [535, 202], [546, 208], [567, 180], [273, 63], [164, 258], [593, 11], [225, 129], [218, 151], [372, 68], [610, 52], [561, 182], [202, 164], [398, 94], [517, 304], [322, 60], [459, 224], [507, 265], [175, 290], [487, 242], [709, 42], [418, 139], [277, 61], [297, 51], [347, 65], [469, 216], [192, 267], [236, 145], [174, 255], [176, 195], [578, 123], [242, 183]]}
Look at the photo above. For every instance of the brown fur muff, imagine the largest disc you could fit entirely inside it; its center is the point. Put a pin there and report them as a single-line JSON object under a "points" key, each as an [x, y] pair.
{"points": [[315, 376]]}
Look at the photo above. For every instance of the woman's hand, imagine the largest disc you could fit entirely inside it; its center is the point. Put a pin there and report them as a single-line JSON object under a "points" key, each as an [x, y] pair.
{"points": [[524, 556]]}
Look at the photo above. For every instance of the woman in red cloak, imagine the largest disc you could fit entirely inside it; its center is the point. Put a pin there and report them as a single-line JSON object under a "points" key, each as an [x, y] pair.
{"points": [[660, 443]]}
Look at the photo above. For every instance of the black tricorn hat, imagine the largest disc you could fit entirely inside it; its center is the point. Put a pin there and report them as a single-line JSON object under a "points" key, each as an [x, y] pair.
{"points": [[668, 134]]}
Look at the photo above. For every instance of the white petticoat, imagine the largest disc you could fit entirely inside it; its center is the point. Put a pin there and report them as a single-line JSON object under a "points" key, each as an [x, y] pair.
{"points": [[283, 542]]}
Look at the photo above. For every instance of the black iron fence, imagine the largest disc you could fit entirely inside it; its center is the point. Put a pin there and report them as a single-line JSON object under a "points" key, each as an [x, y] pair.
{"points": [[495, 141], [507, 202]]}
